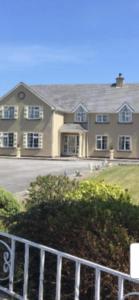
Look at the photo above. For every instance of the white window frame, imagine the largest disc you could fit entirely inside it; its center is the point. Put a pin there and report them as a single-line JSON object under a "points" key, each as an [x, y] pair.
{"points": [[80, 115], [6, 110], [125, 116], [100, 118], [101, 140], [39, 135], [130, 143], [33, 107], [7, 136]]}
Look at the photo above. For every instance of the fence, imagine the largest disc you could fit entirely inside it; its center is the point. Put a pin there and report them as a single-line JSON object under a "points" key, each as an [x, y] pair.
{"points": [[8, 247]]}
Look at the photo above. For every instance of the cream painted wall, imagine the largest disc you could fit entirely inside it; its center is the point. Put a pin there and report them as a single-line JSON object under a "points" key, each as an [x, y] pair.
{"points": [[58, 121], [23, 125], [113, 129]]}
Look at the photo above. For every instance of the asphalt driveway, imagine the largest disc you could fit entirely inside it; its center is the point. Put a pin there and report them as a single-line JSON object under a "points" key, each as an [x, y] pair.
{"points": [[16, 174]]}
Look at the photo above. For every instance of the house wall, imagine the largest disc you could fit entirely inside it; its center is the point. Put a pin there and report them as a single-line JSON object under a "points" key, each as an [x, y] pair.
{"points": [[58, 121], [24, 125], [113, 129]]}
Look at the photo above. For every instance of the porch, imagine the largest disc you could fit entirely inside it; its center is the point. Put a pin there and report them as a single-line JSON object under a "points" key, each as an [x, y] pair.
{"points": [[73, 140], [10, 245]]}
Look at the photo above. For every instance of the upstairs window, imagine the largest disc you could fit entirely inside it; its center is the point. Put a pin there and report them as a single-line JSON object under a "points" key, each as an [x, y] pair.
{"points": [[125, 115], [124, 143], [80, 115], [9, 112], [102, 118], [33, 112]]}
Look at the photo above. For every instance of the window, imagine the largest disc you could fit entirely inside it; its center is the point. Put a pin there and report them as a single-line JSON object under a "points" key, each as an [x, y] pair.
{"points": [[33, 112], [102, 118], [9, 112], [124, 143], [80, 115], [101, 142], [8, 139], [125, 115], [32, 140]]}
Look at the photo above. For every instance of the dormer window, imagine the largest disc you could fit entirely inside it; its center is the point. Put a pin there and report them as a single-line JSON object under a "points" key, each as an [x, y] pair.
{"points": [[80, 115], [125, 115]]}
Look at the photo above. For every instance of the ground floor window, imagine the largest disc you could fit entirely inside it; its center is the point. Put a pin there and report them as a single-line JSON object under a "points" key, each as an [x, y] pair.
{"points": [[101, 142], [33, 140], [8, 140], [124, 143]]}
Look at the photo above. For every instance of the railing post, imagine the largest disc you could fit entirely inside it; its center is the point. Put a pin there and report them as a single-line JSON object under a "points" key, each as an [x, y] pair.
{"points": [[58, 278], [97, 284], [11, 275], [42, 261], [26, 267], [120, 288], [77, 281]]}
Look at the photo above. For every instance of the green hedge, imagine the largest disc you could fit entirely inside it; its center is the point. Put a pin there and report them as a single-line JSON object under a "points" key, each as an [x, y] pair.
{"points": [[93, 221]]}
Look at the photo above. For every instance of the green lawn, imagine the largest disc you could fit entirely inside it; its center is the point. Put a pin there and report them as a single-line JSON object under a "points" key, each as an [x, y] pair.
{"points": [[126, 176]]}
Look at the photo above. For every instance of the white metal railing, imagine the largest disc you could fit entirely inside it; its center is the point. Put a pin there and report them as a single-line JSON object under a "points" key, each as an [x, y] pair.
{"points": [[8, 245]]}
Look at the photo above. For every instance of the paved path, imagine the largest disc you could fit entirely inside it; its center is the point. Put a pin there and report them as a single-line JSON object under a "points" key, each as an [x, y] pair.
{"points": [[16, 174]]}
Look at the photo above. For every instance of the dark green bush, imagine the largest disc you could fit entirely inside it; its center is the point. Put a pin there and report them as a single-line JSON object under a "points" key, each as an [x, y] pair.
{"points": [[47, 188], [8, 203], [8, 207], [94, 221]]}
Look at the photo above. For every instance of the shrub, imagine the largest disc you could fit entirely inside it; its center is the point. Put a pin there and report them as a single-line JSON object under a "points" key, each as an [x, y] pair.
{"points": [[8, 207], [8, 203], [47, 188], [94, 221]]}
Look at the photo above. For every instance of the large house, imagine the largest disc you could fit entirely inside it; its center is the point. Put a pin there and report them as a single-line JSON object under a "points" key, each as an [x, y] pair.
{"points": [[83, 120]]}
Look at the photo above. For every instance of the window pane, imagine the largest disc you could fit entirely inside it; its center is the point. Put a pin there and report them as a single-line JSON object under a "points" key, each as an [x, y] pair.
{"points": [[9, 112], [34, 112], [33, 140]]}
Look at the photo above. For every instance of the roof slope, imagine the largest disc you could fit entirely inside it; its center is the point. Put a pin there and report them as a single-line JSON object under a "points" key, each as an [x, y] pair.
{"points": [[95, 97]]}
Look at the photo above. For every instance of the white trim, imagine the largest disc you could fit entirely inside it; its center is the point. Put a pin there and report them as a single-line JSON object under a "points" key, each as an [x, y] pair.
{"points": [[97, 135], [30, 89], [15, 136], [77, 106], [127, 105], [76, 112], [40, 111], [25, 140], [103, 122], [124, 150], [121, 112]]}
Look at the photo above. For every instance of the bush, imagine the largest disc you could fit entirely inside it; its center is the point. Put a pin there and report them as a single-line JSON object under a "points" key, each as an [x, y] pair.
{"points": [[47, 188], [8, 207], [94, 221]]}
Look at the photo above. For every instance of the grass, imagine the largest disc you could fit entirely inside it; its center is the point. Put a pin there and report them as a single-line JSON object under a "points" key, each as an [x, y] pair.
{"points": [[126, 176]]}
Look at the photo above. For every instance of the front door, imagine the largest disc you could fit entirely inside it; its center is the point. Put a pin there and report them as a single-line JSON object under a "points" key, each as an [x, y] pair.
{"points": [[71, 144]]}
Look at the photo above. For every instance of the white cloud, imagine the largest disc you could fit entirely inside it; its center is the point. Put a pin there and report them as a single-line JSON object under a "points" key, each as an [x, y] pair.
{"points": [[34, 55]]}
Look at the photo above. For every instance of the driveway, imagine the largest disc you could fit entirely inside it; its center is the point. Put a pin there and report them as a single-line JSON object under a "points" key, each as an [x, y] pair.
{"points": [[16, 174]]}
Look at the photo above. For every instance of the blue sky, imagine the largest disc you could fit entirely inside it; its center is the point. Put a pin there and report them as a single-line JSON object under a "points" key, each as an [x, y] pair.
{"points": [[68, 41]]}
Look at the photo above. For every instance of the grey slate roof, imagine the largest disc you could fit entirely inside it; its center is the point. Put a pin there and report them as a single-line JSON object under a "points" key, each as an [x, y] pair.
{"points": [[72, 127], [95, 97]]}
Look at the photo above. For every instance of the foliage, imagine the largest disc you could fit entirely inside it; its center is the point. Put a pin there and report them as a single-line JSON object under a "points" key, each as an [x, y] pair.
{"points": [[8, 207], [94, 221], [47, 188], [125, 176]]}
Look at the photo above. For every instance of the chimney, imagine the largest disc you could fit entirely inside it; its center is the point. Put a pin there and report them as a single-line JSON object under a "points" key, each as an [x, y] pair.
{"points": [[119, 80]]}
